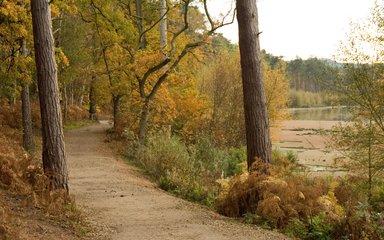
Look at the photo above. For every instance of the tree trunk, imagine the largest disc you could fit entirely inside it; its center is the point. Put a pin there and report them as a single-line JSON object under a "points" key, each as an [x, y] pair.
{"points": [[92, 100], [54, 161], [81, 99], [26, 109], [256, 118], [163, 27], [143, 122], [140, 28], [116, 114], [72, 93], [14, 94], [65, 103], [27, 119]]}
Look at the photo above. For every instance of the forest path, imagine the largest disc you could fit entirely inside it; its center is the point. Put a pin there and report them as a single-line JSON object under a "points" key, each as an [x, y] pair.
{"points": [[124, 205]]}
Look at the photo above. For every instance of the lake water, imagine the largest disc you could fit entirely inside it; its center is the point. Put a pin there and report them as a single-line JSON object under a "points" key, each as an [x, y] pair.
{"points": [[321, 114]]}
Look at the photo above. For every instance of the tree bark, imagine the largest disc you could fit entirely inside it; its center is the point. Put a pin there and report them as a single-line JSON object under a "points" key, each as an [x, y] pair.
{"points": [[26, 109], [163, 27], [72, 93], [54, 161], [27, 119], [92, 100], [81, 98], [65, 102], [256, 118], [140, 27], [116, 114], [143, 122]]}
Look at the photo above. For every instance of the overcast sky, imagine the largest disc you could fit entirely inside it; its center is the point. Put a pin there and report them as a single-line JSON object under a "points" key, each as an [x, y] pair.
{"points": [[301, 28]]}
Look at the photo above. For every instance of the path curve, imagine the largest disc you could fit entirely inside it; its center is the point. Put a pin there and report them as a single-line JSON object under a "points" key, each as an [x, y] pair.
{"points": [[125, 205]]}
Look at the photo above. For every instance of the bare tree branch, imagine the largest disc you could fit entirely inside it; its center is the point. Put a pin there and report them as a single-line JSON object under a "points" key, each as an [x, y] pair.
{"points": [[177, 34], [153, 25], [163, 77]]}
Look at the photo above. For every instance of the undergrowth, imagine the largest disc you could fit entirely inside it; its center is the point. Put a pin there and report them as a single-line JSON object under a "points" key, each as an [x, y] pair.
{"points": [[189, 171], [303, 207], [23, 184], [288, 199]]}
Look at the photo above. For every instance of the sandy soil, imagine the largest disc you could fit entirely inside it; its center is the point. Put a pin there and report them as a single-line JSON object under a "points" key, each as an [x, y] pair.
{"points": [[304, 137], [124, 205]]}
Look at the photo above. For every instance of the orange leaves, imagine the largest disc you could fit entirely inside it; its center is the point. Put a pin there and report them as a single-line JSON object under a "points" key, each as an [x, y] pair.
{"points": [[191, 109], [147, 59]]}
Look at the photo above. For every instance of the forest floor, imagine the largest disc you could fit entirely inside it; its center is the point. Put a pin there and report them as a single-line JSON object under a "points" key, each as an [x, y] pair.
{"points": [[122, 204]]}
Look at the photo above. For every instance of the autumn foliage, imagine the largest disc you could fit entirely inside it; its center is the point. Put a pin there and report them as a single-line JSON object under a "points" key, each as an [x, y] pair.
{"points": [[23, 184]]}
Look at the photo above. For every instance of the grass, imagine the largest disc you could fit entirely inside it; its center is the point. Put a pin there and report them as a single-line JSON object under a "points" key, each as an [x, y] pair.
{"points": [[71, 125]]}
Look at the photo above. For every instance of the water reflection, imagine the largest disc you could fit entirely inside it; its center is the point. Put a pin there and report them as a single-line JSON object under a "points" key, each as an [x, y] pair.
{"points": [[322, 113]]}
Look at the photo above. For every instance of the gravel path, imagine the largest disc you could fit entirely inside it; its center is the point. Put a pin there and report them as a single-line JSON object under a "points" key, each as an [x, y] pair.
{"points": [[124, 205]]}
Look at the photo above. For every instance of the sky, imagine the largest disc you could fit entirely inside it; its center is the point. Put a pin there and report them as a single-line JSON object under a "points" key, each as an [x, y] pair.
{"points": [[300, 28]]}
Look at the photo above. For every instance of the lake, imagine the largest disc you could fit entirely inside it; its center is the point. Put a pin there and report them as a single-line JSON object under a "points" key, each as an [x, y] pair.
{"points": [[321, 113]]}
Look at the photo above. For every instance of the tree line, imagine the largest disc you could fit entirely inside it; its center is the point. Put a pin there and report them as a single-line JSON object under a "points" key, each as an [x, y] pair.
{"points": [[138, 59]]}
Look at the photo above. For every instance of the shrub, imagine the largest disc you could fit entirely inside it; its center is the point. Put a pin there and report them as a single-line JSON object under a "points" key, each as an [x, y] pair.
{"points": [[163, 156], [236, 162], [319, 228], [170, 163], [303, 207], [300, 206], [21, 176], [284, 163], [188, 171], [208, 159], [296, 228]]}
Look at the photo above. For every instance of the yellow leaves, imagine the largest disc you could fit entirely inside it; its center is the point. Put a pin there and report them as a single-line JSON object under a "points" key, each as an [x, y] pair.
{"points": [[276, 91], [15, 20], [147, 59], [63, 6], [55, 12], [12, 10], [163, 110], [67, 6], [329, 205], [61, 58], [191, 107]]}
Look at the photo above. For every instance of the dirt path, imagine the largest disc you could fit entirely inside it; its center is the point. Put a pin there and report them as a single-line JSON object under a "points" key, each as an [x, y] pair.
{"points": [[127, 206]]}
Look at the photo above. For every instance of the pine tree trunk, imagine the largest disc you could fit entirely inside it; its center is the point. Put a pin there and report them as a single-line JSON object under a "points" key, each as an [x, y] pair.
{"points": [[256, 119], [81, 98], [140, 27], [72, 93], [54, 161], [26, 109], [163, 27], [65, 103], [143, 122], [27, 119], [92, 100], [116, 114]]}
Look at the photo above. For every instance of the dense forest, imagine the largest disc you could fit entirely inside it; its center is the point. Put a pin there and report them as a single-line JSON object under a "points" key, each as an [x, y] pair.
{"points": [[197, 113]]}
